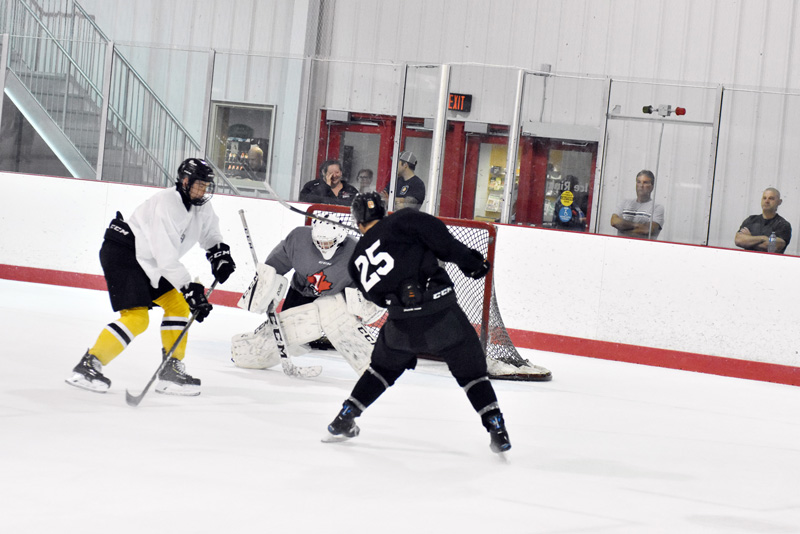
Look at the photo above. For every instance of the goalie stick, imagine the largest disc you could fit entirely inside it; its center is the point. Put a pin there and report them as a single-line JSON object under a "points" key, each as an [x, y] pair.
{"points": [[134, 400], [288, 367]]}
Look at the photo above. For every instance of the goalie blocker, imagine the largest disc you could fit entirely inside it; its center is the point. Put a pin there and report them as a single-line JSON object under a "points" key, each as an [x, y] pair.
{"points": [[332, 316]]}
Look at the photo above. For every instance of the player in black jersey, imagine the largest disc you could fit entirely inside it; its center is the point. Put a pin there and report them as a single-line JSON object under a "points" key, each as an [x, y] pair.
{"points": [[396, 265]]}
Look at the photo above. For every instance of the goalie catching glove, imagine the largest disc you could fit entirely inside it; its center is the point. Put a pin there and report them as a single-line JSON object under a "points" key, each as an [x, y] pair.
{"points": [[222, 264], [267, 287]]}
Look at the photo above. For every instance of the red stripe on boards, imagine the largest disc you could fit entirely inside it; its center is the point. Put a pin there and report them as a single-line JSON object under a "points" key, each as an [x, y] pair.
{"points": [[87, 281], [605, 350], [671, 359]]}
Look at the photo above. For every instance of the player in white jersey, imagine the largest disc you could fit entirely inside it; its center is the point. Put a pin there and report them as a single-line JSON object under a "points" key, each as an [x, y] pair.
{"points": [[141, 263], [321, 300]]}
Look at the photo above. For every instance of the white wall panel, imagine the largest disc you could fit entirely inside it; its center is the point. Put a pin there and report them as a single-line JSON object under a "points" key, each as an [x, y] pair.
{"points": [[748, 44], [715, 41], [629, 291]]}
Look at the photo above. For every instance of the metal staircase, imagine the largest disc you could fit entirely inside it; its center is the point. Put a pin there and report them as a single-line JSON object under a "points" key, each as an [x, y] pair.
{"points": [[68, 80]]}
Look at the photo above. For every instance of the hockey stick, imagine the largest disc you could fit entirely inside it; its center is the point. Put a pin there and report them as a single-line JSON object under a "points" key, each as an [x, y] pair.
{"points": [[288, 367], [134, 400], [303, 213]]}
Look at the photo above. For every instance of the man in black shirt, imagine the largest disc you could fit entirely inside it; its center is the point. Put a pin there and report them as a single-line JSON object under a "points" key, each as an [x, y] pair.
{"points": [[396, 266], [329, 188], [754, 231], [410, 189]]}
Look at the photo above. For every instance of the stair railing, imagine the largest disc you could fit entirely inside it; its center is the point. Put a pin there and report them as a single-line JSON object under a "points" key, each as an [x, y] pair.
{"points": [[140, 126]]}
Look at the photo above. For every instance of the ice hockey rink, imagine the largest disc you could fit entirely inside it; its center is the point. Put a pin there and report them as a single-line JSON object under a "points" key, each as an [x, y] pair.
{"points": [[605, 447]]}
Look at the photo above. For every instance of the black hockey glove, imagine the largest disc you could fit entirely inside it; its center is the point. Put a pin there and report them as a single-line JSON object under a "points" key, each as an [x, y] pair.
{"points": [[195, 295], [222, 265], [481, 271]]}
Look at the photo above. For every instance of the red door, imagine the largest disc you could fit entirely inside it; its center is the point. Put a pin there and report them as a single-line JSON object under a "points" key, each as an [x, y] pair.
{"points": [[467, 188]]}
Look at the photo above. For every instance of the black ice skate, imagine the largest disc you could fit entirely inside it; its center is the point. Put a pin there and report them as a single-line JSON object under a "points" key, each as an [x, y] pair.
{"points": [[322, 343], [88, 375], [498, 434], [344, 426], [173, 380]]}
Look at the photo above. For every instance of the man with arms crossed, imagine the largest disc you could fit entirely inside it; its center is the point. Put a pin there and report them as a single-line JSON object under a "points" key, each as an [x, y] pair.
{"points": [[755, 230]]}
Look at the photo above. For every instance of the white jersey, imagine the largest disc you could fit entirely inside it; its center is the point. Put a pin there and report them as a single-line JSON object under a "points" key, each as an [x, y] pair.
{"points": [[165, 231]]}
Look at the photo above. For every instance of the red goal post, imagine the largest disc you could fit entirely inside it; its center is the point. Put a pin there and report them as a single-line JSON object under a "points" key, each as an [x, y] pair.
{"points": [[476, 297]]}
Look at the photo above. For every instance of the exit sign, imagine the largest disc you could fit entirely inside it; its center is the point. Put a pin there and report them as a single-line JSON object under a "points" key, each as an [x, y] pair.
{"points": [[459, 102]]}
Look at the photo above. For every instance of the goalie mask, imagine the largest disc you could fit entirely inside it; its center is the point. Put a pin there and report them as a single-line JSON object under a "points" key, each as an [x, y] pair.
{"points": [[200, 185], [327, 236], [367, 207]]}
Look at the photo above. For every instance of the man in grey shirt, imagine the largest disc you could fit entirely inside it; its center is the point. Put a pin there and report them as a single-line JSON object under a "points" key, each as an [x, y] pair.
{"points": [[754, 231], [640, 217]]}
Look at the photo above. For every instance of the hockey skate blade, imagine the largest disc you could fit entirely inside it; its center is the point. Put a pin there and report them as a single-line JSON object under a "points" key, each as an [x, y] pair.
{"points": [[502, 457], [330, 438], [79, 381], [178, 391]]}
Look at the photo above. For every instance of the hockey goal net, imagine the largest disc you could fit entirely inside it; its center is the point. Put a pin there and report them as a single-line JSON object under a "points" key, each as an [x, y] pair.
{"points": [[476, 297]]}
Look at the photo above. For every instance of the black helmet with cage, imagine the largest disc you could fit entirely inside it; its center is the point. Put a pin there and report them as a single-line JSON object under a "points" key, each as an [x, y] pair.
{"points": [[367, 207], [196, 170]]}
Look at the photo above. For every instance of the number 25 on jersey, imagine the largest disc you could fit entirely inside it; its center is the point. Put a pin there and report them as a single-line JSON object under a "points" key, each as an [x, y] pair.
{"points": [[382, 260]]}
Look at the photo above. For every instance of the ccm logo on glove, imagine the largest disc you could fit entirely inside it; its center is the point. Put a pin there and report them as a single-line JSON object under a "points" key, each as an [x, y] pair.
{"points": [[222, 264]]}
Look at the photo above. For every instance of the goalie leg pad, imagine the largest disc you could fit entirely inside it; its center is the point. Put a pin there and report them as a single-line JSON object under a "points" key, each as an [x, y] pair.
{"points": [[522, 371], [348, 336], [267, 287], [301, 324], [257, 349]]}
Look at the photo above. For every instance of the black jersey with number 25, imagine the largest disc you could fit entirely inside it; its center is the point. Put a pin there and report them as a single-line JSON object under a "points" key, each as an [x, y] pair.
{"points": [[405, 246]]}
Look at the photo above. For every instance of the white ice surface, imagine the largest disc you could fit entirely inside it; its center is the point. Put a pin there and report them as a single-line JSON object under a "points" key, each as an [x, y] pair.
{"points": [[605, 447]]}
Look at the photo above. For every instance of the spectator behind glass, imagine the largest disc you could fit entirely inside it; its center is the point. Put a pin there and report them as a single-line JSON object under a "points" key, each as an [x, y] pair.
{"points": [[365, 181], [329, 188], [255, 161], [567, 214], [755, 230], [640, 217], [410, 191]]}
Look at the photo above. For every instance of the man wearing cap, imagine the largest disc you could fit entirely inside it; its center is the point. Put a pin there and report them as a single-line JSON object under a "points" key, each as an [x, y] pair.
{"points": [[410, 192]]}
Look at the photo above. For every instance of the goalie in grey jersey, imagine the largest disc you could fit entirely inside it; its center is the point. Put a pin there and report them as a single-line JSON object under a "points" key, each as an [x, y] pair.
{"points": [[396, 265], [321, 300]]}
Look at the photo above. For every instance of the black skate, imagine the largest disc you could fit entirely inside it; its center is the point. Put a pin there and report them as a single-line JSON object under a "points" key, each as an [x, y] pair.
{"points": [[344, 426], [173, 380], [88, 375], [498, 433], [322, 343]]}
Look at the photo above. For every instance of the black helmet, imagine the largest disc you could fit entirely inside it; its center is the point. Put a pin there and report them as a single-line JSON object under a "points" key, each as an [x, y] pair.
{"points": [[367, 207], [196, 169]]}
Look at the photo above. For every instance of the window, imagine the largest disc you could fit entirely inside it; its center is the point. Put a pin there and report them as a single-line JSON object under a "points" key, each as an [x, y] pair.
{"points": [[240, 142]]}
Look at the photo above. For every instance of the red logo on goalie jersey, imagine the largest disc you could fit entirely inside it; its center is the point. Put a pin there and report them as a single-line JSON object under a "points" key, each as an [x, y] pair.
{"points": [[319, 282]]}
